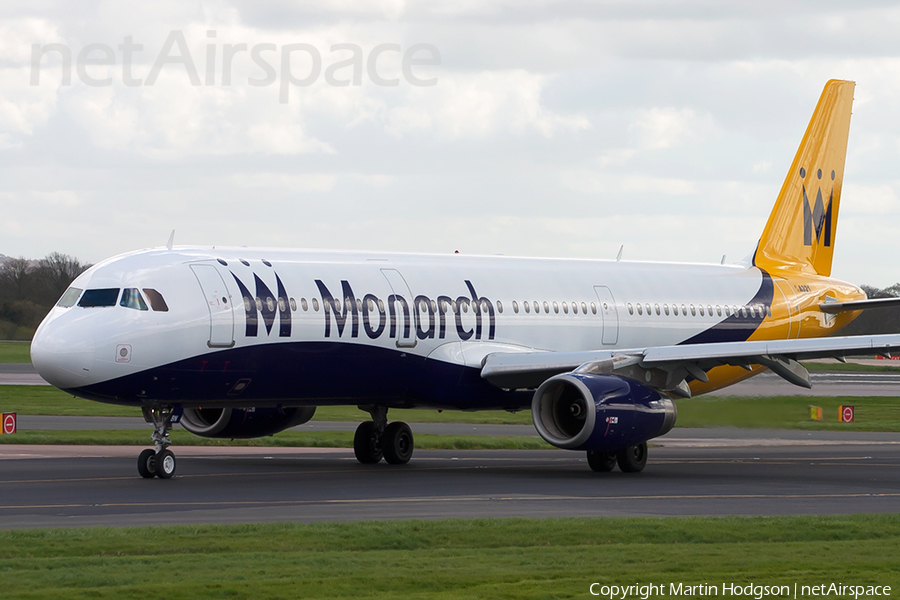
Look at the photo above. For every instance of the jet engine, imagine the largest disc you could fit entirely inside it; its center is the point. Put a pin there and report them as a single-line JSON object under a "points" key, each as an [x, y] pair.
{"points": [[580, 411], [243, 422]]}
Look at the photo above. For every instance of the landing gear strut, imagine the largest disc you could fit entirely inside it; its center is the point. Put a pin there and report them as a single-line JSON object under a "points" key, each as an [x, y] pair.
{"points": [[376, 439], [161, 461]]}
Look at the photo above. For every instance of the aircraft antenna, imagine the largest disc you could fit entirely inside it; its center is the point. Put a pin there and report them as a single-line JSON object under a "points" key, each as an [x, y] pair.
{"points": [[619, 255], [723, 259], [171, 240]]}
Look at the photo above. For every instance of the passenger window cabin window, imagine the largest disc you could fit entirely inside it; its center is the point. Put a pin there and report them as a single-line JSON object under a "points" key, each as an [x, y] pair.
{"points": [[640, 310], [515, 307], [584, 308], [574, 308], [693, 311], [131, 298], [647, 308], [556, 307], [684, 310], [675, 309], [565, 306], [718, 310], [282, 305], [537, 307], [98, 298], [315, 303], [499, 307], [666, 309], [630, 308], [527, 305], [546, 307], [69, 298], [380, 306]]}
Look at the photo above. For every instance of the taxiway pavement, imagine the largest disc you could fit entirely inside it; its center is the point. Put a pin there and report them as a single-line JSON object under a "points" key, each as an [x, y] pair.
{"points": [[691, 472]]}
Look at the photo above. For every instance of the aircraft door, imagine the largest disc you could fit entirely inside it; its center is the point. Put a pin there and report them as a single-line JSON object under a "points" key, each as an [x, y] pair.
{"points": [[400, 309], [609, 314], [218, 302]]}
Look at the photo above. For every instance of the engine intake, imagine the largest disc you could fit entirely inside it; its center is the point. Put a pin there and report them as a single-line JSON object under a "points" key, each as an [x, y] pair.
{"points": [[578, 411], [243, 422]]}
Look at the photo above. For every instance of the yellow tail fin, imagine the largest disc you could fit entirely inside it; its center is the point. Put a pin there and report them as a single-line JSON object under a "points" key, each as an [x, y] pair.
{"points": [[800, 232]]}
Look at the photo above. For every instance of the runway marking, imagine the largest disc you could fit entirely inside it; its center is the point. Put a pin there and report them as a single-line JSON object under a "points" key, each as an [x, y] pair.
{"points": [[449, 499]]}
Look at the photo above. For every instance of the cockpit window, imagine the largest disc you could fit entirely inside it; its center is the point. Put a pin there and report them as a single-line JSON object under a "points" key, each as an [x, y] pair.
{"points": [[157, 302], [102, 297], [69, 298], [131, 298]]}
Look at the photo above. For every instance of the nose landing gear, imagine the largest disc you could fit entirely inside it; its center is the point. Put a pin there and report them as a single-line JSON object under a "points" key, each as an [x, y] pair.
{"points": [[161, 461]]}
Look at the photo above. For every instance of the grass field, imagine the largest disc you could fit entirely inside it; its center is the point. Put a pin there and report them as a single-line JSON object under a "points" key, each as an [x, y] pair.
{"points": [[447, 559], [15, 352], [290, 439], [779, 412]]}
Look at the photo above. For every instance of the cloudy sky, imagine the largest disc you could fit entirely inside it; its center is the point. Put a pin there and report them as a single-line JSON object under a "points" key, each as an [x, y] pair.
{"points": [[549, 128]]}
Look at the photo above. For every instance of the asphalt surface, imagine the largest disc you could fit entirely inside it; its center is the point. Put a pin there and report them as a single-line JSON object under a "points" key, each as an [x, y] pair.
{"points": [[691, 472]]}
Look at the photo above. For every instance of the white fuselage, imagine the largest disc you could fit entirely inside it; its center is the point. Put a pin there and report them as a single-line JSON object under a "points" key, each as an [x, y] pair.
{"points": [[332, 311]]}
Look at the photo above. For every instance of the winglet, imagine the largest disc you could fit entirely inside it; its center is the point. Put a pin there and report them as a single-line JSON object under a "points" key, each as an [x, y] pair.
{"points": [[171, 240], [801, 228]]}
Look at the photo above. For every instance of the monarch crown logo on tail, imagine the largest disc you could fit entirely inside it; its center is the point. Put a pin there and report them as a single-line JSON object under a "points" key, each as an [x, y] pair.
{"points": [[817, 218]]}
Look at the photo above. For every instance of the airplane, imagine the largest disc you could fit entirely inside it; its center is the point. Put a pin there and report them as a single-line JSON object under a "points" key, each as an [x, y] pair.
{"points": [[246, 342]]}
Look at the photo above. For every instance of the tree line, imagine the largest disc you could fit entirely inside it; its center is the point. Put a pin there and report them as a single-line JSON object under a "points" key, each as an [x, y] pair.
{"points": [[29, 289]]}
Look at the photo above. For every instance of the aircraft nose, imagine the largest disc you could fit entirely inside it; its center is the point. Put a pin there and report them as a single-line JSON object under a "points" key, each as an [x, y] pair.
{"points": [[61, 356]]}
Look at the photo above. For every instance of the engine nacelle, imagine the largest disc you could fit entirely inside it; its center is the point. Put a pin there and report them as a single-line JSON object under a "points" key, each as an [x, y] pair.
{"points": [[243, 422], [578, 411]]}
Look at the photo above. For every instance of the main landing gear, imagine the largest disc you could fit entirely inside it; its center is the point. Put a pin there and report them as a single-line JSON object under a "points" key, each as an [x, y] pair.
{"points": [[632, 459], [161, 461], [377, 439]]}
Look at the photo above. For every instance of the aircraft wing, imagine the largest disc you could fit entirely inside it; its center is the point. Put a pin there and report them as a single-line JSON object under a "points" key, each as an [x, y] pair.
{"points": [[668, 367]]}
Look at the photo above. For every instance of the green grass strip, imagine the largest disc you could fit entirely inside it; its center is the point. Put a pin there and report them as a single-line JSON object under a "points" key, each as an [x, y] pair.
{"points": [[15, 352], [446, 559], [285, 439], [873, 413], [46, 400]]}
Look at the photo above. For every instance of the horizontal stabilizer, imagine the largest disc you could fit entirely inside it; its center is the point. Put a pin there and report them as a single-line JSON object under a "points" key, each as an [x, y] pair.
{"points": [[838, 307]]}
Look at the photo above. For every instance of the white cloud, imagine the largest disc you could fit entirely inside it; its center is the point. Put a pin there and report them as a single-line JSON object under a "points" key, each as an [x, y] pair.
{"points": [[659, 128], [477, 105]]}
